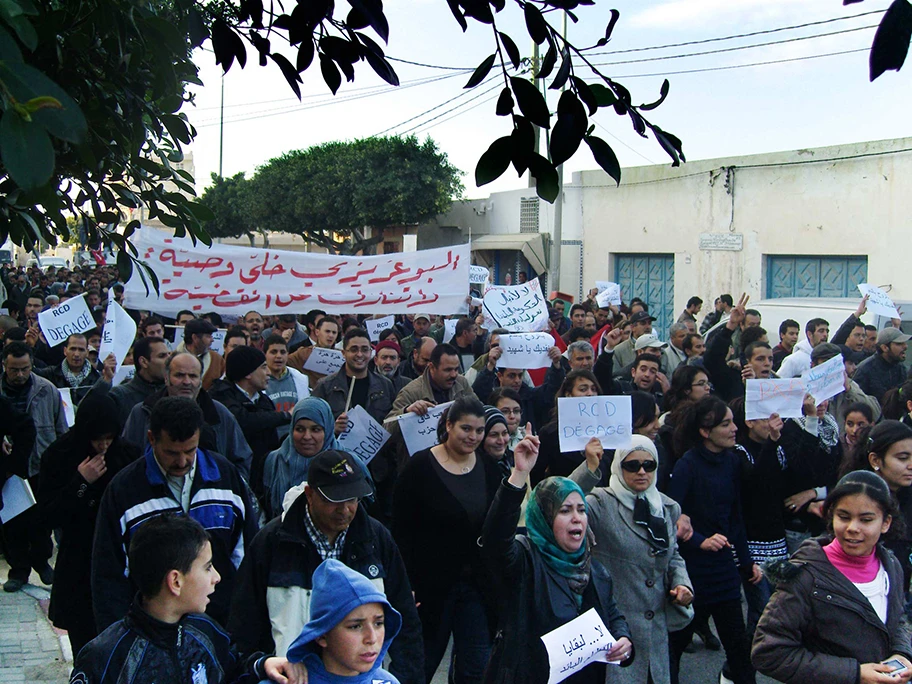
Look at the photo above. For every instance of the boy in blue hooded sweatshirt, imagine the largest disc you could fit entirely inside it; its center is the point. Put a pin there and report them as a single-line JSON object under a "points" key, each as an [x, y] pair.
{"points": [[351, 628]]}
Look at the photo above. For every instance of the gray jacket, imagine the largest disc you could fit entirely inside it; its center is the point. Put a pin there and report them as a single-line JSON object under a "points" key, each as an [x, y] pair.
{"points": [[334, 390], [46, 410]]}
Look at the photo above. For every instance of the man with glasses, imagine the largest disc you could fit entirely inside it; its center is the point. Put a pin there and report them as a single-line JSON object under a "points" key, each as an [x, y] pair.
{"points": [[273, 585]]}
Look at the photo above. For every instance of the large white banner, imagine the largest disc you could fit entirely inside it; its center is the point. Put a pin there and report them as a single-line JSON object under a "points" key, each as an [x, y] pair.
{"points": [[234, 280]]}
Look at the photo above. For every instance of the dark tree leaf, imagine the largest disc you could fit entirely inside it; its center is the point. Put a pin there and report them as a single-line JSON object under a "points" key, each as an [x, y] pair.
{"points": [[531, 102], [547, 64], [671, 144], [373, 10], [639, 125], [227, 46], [510, 47], [535, 23], [891, 42], [283, 21], [478, 9], [620, 108], [289, 72], [504, 102], [196, 28], [603, 95], [498, 5], [356, 20], [494, 161], [331, 75], [254, 10], [547, 183], [570, 127], [457, 12], [615, 15], [663, 93], [340, 50], [481, 72], [523, 136], [26, 150], [262, 46], [305, 55], [563, 73], [605, 157], [382, 68], [586, 95], [346, 68]]}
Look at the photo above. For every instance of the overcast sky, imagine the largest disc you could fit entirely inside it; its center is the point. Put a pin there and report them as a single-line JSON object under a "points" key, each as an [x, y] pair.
{"points": [[794, 104]]}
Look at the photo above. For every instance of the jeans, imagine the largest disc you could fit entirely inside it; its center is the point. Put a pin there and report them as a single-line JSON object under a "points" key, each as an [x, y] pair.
{"points": [[461, 613], [729, 620], [27, 543], [757, 595]]}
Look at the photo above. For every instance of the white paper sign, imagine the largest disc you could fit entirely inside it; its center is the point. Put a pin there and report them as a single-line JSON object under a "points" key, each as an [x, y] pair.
{"points": [[574, 645], [218, 341], [526, 350], [478, 275], [826, 380], [580, 419], [879, 302], [763, 398], [449, 329], [69, 411], [124, 373], [420, 432], [70, 317], [324, 361], [608, 293], [518, 308], [118, 333], [375, 326], [17, 498], [363, 437]]}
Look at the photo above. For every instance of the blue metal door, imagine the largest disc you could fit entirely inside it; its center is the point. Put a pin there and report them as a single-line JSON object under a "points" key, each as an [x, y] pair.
{"points": [[651, 278], [812, 276]]}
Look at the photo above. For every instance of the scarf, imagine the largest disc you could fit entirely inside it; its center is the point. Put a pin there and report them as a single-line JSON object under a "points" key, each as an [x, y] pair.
{"points": [[544, 504], [647, 507], [75, 379], [319, 412], [827, 429]]}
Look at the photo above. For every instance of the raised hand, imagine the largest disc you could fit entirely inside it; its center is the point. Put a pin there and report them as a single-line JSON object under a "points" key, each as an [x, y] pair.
{"points": [[736, 318], [593, 453], [775, 427], [612, 339]]}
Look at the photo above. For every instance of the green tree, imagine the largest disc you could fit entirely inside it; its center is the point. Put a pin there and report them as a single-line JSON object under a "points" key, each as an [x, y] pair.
{"points": [[329, 194], [229, 200]]}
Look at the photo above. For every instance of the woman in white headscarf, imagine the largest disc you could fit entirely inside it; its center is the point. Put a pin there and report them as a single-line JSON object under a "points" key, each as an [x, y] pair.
{"points": [[634, 527]]}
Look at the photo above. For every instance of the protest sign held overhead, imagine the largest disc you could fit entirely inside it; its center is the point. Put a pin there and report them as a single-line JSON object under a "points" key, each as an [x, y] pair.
{"points": [[608, 294], [230, 279], [118, 333], [69, 318], [763, 398], [420, 432], [579, 419], [478, 275], [518, 308], [363, 436], [879, 302], [525, 350]]}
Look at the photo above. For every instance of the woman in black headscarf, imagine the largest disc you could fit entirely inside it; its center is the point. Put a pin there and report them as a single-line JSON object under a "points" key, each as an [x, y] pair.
{"points": [[75, 470]]}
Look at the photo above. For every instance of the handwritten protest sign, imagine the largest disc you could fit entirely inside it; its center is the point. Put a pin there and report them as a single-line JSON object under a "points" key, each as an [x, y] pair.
{"points": [[69, 411], [231, 279], [449, 329], [608, 293], [826, 380], [375, 326], [17, 498], [518, 308], [879, 302], [118, 333], [70, 317], [363, 436], [577, 643], [324, 361], [763, 398], [420, 432], [218, 341], [527, 350], [580, 419], [478, 275], [123, 374]]}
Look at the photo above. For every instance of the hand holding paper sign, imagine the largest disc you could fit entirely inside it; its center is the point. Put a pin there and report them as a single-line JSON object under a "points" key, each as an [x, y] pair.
{"points": [[879, 302]]}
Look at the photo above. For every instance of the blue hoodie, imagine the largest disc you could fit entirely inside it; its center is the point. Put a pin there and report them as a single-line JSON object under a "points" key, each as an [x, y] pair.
{"points": [[337, 591]]}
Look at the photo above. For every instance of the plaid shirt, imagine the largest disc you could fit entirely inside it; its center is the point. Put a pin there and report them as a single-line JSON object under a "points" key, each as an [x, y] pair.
{"points": [[321, 541]]}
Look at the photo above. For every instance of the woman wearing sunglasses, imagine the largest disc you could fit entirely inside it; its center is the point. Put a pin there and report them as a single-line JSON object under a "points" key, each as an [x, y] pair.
{"points": [[635, 539]]}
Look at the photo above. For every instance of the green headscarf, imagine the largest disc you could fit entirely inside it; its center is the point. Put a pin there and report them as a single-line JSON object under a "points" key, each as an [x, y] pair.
{"points": [[544, 504]]}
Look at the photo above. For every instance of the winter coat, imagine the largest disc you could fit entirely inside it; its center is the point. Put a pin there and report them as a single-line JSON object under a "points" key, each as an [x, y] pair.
{"points": [[45, 407], [420, 388], [818, 627], [58, 379], [797, 362], [876, 376], [333, 389], [536, 402]]}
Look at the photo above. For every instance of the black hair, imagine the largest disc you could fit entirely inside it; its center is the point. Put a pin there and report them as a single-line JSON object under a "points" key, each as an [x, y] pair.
{"points": [[895, 400], [870, 328], [312, 315], [162, 544], [643, 408], [646, 356], [681, 385], [739, 416], [689, 338], [275, 338], [815, 323], [38, 294], [570, 380], [704, 414], [752, 312], [870, 485], [463, 406], [66, 342], [182, 312], [352, 333], [875, 439], [727, 299], [463, 324], [16, 334], [752, 334], [503, 393], [389, 332], [143, 348], [862, 408], [180, 417], [786, 324], [17, 350], [577, 307], [213, 318], [441, 350], [350, 322], [754, 346], [149, 321], [693, 301], [578, 334], [328, 319], [235, 331]]}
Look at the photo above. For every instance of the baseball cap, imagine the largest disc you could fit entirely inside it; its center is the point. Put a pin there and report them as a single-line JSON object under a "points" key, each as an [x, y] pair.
{"points": [[825, 351], [338, 476], [644, 341], [424, 316], [641, 316], [889, 335]]}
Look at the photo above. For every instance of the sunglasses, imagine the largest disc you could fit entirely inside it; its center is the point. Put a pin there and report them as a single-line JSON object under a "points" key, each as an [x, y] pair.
{"points": [[634, 466]]}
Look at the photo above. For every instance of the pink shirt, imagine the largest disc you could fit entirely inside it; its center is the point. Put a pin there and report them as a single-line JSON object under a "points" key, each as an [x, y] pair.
{"points": [[858, 569]]}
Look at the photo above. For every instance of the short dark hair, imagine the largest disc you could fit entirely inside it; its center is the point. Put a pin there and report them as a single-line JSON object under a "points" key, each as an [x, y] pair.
{"points": [[162, 544], [352, 333], [786, 324], [503, 393], [17, 350], [143, 348], [463, 324], [870, 328], [653, 358], [752, 312], [235, 331], [815, 323], [389, 332], [694, 301], [37, 294], [182, 312], [575, 334], [275, 338], [727, 299], [328, 319], [312, 315], [687, 343], [66, 342], [150, 321], [754, 346], [441, 350], [751, 335], [180, 417], [577, 307]]}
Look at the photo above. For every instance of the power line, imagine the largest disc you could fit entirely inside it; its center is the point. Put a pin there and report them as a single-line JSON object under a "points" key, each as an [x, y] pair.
{"points": [[461, 104], [739, 35], [623, 143], [449, 118], [429, 66]]}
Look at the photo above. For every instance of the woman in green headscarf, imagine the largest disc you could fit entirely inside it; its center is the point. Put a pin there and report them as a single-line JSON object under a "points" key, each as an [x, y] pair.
{"points": [[548, 578]]}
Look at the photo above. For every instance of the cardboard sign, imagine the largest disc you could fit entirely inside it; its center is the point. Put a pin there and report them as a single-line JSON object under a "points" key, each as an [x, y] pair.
{"points": [[324, 361], [69, 411], [69, 318], [579, 419], [527, 350], [449, 329], [518, 308], [17, 498], [420, 432], [478, 275], [363, 436], [118, 333], [879, 302], [763, 398], [608, 293], [826, 380], [375, 326], [574, 645]]}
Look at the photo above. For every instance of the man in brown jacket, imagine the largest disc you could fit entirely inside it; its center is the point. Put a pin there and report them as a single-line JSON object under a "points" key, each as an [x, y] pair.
{"points": [[197, 341]]}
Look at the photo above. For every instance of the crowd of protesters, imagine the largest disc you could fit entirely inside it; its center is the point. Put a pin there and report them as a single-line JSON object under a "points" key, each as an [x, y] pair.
{"points": [[215, 482]]}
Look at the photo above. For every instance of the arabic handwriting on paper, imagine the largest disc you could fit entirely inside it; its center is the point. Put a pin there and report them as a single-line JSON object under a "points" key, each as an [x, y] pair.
{"points": [[826, 380], [879, 302], [582, 418], [763, 398], [576, 644], [518, 308], [526, 350], [608, 293], [420, 431], [324, 361]]}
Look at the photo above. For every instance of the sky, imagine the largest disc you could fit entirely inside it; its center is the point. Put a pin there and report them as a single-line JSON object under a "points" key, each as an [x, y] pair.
{"points": [[791, 103]]}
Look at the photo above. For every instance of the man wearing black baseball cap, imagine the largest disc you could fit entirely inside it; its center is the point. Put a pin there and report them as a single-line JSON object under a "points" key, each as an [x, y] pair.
{"points": [[624, 354], [197, 341], [272, 592], [885, 370]]}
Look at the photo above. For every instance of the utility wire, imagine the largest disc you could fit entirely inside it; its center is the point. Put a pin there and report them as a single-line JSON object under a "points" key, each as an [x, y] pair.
{"points": [[449, 118], [623, 143], [429, 66], [461, 104]]}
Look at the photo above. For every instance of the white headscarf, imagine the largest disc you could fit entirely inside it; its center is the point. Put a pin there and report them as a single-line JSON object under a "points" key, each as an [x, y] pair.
{"points": [[624, 493]]}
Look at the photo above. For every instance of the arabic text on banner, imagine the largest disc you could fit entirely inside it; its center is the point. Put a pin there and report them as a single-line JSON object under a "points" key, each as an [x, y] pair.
{"points": [[763, 398], [577, 643], [363, 435], [230, 279], [420, 432], [526, 350], [65, 319], [579, 419], [518, 308]]}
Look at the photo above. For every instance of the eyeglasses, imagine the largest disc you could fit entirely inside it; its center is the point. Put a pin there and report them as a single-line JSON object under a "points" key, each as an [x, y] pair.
{"points": [[703, 383], [648, 465], [511, 412]]}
